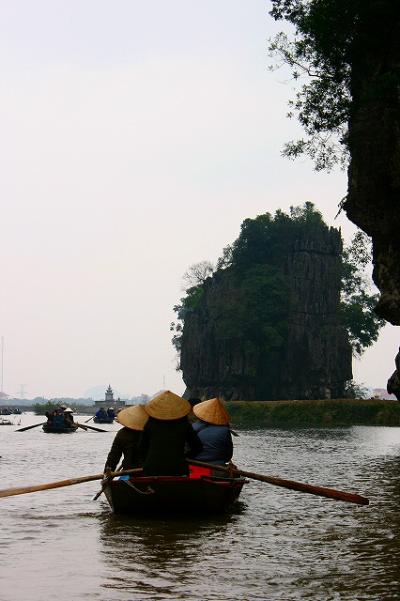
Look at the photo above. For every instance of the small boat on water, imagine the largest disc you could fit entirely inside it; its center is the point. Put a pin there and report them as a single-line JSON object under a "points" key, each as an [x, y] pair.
{"points": [[6, 422], [200, 492], [103, 420], [59, 429]]}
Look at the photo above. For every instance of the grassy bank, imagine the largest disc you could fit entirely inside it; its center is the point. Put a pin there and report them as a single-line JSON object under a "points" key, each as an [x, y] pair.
{"points": [[325, 413]]}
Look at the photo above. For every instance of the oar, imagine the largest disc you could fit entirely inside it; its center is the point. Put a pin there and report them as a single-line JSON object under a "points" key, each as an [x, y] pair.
{"points": [[22, 490], [29, 427], [90, 428], [321, 491], [106, 479], [88, 420]]}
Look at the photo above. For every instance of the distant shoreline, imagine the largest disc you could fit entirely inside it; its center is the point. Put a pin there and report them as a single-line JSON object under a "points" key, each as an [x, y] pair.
{"points": [[314, 414], [326, 413]]}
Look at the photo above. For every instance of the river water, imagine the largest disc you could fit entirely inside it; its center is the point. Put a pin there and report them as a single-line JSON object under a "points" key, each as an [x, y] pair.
{"points": [[275, 545]]}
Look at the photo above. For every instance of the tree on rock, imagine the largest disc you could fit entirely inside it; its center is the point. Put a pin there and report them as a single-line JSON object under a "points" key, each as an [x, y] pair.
{"points": [[349, 104]]}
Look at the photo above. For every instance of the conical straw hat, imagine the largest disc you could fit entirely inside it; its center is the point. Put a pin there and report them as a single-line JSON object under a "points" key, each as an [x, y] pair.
{"points": [[212, 412], [167, 406], [133, 417]]}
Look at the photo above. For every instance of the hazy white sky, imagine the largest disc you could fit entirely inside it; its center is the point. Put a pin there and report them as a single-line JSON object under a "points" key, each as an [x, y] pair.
{"points": [[136, 137]]}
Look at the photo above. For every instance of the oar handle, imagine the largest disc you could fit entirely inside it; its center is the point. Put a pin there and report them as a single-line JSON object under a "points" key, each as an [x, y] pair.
{"points": [[320, 491]]}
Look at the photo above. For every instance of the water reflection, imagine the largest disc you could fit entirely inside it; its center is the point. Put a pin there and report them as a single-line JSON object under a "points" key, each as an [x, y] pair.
{"points": [[279, 545], [160, 556]]}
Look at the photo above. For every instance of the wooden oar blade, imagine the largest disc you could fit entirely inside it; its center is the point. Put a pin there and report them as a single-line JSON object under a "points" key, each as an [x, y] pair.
{"points": [[29, 427], [321, 491], [85, 427], [23, 490]]}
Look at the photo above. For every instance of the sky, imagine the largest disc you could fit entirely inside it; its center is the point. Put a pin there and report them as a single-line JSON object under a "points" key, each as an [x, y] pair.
{"points": [[135, 139]]}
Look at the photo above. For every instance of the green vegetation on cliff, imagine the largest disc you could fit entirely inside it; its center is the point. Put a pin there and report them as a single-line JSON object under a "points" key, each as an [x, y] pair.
{"points": [[285, 301], [257, 260]]}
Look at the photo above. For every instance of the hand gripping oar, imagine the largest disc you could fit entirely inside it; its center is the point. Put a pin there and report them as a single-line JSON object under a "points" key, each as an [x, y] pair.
{"points": [[22, 490], [107, 477], [29, 427], [321, 491]]}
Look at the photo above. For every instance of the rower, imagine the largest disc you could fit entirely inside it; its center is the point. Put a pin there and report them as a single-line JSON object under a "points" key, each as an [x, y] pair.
{"points": [[126, 441], [68, 417], [214, 432], [168, 437]]}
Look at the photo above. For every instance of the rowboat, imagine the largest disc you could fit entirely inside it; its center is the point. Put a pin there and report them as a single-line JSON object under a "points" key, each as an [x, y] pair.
{"points": [[103, 420], [200, 492], [55, 429]]}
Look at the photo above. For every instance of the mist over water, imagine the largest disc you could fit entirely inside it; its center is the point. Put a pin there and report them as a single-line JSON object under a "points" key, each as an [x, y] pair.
{"points": [[275, 545]]}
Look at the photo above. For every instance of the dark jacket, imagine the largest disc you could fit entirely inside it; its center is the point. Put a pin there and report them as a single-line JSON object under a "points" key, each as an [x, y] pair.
{"points": [[163, 446], [216, 441], [126, 443]]}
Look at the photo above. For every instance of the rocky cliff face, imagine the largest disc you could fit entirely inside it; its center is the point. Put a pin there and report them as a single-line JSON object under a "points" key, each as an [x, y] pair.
{"points": [[374, 140], [314, 360]]}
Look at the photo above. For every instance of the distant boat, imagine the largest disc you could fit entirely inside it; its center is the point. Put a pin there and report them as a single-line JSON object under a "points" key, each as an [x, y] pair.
{"points": [[103, 420], [59, 429], [6, 422]]}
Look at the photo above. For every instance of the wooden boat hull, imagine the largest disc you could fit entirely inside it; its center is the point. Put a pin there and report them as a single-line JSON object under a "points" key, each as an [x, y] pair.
{"points": [[59, 430], [173, 494]]}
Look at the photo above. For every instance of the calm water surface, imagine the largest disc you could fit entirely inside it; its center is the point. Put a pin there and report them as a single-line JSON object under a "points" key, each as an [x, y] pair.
{"points": [[275, 545]]}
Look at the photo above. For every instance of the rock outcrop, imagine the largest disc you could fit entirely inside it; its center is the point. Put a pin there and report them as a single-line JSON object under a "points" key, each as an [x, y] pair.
{"points": [[313, 360], [373, 201]]}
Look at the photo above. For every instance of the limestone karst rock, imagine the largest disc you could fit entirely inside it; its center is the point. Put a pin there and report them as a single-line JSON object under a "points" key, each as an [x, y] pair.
{"points": [[314, 360]]}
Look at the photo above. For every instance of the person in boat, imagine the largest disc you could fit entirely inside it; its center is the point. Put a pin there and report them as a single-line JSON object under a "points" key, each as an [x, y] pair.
{"points": [[168, 438], [68, 417], [49, 415], [111, 413], [126, 441], [56, 417], [101, 413], [214, 432]]}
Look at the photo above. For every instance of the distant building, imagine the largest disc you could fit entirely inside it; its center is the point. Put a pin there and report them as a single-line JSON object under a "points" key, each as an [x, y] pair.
{"points": [[109, 400]]}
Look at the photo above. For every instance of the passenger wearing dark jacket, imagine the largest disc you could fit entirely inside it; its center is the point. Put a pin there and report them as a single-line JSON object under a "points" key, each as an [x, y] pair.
{"points": [[126, 441], [168, 438], [213, 431]]}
